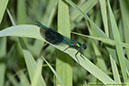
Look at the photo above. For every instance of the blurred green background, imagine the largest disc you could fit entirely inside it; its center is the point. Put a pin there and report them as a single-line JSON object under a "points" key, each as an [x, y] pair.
{"points": [[103, 25]]}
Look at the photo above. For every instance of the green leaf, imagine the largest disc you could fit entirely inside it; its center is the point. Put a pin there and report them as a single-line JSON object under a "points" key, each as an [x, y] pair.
{"points": [[3, 47], [104, 40], [118, 43], [104, 15], [3, 5], [23, 78], [37, 73], [115, 71], [52, 69], [76, 16], [2, 74], [22, 31], [49, 13], [12, 79], [31, 67], [21, 11], [36, 48], [125, 21], [64, 62], [33, 32]]}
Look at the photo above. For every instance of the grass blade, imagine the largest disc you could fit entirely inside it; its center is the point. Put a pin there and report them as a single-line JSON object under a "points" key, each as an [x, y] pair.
{"points": [[2, 74], [125, 20], [21, 11], [33, 32], [31, 66], [23, 78], [115, 71], [118, 43], [37, 73], [3, 5], [53, 71], [64, 62], [104, 15]]}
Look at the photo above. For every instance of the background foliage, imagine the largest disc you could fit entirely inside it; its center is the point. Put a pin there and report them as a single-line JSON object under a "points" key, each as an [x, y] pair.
{"points": [[103, 25]]}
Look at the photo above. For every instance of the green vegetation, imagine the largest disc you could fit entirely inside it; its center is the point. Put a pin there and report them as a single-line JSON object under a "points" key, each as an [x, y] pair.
{"points": [[27, 59]]}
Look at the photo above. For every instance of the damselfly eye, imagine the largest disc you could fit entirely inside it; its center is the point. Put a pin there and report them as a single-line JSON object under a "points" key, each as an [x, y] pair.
{"points": [[84, 46]]}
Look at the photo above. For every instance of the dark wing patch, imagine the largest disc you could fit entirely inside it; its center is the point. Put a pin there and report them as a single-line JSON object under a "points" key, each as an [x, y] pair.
{"points": [[53, 36]]}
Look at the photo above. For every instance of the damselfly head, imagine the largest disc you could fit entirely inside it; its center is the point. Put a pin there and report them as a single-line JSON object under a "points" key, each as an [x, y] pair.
{"points": [[84, 46]]}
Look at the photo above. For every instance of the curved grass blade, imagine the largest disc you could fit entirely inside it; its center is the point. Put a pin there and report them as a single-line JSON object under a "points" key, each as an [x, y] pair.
{"points": [[32, 66], [98, 32], [27, 55], [32, 31], [118, 43], [53, 71]]}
